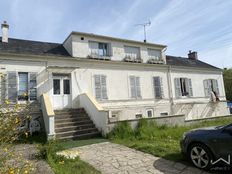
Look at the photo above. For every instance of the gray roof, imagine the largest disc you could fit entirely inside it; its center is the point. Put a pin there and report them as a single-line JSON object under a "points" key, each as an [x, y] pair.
{"points": [[186, 62], [19, 46]]}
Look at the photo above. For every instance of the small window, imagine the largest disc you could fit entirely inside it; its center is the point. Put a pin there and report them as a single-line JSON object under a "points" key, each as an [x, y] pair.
{"points": [[138, 115], [99, 49], [164, 114], [132, 52], [150, 113], [66, 84], [56, 86], [154, 54]]}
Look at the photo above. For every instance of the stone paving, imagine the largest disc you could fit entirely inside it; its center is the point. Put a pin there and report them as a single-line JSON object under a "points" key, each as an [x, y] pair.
{"points": [[112, 158], [29, 152]]}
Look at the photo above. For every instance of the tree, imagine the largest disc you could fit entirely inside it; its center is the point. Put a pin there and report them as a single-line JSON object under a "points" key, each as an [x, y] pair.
{"points": [[227, 75]]}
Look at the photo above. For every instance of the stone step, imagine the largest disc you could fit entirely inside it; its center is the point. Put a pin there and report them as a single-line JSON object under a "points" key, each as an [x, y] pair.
{"points": [[74, 128], [76, 119], [71, 116], [83, 136], [71, 111], [71, 123], [76, 132]]}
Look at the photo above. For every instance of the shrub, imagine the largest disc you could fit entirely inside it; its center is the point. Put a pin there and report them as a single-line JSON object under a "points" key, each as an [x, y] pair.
{"points": [[122, 130]]}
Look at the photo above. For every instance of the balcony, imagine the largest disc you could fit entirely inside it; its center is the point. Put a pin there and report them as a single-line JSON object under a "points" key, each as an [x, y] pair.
{"points": [[133, 59]]}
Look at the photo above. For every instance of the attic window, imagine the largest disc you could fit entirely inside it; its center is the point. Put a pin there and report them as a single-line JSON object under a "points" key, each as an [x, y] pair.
{"points": [[82, 38]]}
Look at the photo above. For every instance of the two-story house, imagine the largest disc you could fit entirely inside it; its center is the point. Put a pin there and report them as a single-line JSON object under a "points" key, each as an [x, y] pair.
{"points": [[111, 78]]}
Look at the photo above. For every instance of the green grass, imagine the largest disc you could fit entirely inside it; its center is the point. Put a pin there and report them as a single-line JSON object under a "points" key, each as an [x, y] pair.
{"points": [[162, 141], [61, 165]]}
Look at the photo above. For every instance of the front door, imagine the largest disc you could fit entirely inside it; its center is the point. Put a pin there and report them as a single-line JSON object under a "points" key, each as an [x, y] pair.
{"points": [[62, 92]]}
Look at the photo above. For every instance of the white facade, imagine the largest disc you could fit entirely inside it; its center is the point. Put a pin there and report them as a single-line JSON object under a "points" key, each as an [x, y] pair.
{"points": [[65, 79]]}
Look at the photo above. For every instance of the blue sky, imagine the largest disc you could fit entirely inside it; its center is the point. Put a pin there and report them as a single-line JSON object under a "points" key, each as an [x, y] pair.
{"points": [[203, 26]]}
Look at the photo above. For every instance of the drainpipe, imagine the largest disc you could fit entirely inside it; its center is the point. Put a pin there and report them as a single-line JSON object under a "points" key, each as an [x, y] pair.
{"points": [[170, 89]]}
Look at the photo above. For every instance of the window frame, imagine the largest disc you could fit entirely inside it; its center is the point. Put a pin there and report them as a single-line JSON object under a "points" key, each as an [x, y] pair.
{"points": [[102, 87], [136, 86]]}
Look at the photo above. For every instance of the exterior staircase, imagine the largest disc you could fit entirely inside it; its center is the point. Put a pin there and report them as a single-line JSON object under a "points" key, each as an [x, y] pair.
{"points": [[74, 124]]}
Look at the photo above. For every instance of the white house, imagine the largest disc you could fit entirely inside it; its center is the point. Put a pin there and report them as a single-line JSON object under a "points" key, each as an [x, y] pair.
{"points": [[113, 79]]}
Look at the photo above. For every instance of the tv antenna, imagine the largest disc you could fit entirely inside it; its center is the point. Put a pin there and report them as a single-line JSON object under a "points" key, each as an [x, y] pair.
{"points": [[146, 24]]}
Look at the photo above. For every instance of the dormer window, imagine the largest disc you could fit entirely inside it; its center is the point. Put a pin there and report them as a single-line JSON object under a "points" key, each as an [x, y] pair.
{"points": [[154, 54], [99, 49]]}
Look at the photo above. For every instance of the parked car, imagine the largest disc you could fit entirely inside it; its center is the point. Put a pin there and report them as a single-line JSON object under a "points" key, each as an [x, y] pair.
{"points": [[206, 147]]}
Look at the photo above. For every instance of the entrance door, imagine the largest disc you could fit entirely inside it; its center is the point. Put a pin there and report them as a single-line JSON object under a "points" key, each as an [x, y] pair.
{"points": [[61, 92]]}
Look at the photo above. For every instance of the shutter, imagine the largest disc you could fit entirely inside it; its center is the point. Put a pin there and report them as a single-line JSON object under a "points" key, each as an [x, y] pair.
{"points": [[2, 88], [206, 88], [12, 86], [32, 86], [97, 81], [103, 87], [190, 88], [157, 87], [177, 88], [138, 89], [215, 86], [133, 87]]}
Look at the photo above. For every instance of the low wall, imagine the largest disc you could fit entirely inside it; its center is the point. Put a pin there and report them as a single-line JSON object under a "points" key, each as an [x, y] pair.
{"points": [[175, 120]]}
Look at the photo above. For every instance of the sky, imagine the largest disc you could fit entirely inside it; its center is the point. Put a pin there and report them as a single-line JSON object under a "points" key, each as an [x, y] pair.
{"points": [[182, 25]]}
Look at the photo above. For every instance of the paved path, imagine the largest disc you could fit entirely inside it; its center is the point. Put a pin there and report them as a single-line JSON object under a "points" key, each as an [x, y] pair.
{"points": [[112, 158], [29, 152]]}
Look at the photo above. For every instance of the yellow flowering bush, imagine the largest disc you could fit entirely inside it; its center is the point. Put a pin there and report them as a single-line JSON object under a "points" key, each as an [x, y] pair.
{"points": [[12, 117]]}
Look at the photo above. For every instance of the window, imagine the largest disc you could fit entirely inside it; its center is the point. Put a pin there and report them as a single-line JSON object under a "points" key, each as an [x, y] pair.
{"points": [[99, 49], [158, 87], [154, 54], [23, 86], [66, 86], [135, 87], [150, 113], [210, 85], [183, 87], [56, 86], [132, 52], [100, 87]]}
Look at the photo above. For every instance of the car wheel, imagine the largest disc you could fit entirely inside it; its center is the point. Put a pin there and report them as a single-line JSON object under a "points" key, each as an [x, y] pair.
{"points": [[200, 156]]}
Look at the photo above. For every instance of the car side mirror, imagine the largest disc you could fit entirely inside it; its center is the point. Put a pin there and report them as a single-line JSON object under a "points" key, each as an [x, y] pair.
{"points": [[228, 130]]}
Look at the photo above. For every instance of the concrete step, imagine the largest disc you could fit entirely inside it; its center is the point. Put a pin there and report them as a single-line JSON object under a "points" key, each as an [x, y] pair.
{"points": [[73, 119], [69, 111], [74, 128], [83, 136], [71, 116], [76, 132], [71, 123]]}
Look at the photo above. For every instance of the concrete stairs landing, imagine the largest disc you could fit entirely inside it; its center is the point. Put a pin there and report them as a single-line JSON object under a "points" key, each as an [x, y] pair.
{"points": [[74, 124]]}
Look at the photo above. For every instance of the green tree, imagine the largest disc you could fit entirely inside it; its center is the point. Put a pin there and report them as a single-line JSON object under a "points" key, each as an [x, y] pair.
{"points": [[227, 75]]}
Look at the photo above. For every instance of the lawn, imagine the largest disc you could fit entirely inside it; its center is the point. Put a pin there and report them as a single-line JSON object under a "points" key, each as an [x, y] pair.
{"points": [[162, 141]]}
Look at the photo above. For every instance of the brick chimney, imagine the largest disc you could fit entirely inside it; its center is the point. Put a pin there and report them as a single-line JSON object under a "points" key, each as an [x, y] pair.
{"points": [[192, 55], [5, 29]]}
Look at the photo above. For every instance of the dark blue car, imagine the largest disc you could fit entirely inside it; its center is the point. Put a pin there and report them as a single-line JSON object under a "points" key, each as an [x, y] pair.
{"points": [[207, 147]]}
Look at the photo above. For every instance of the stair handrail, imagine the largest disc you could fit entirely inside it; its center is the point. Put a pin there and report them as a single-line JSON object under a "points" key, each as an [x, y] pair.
{"points": [[48, 116]]}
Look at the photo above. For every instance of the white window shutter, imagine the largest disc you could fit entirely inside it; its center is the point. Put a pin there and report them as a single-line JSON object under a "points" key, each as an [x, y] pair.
{"points": [[190, 88], [207, 87], [177, 87], [158, 87], [103, 87], [215, 86], [97, 81], [32, 86], [93, 48], [138, 88], [12, 86], [133, 87]]}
